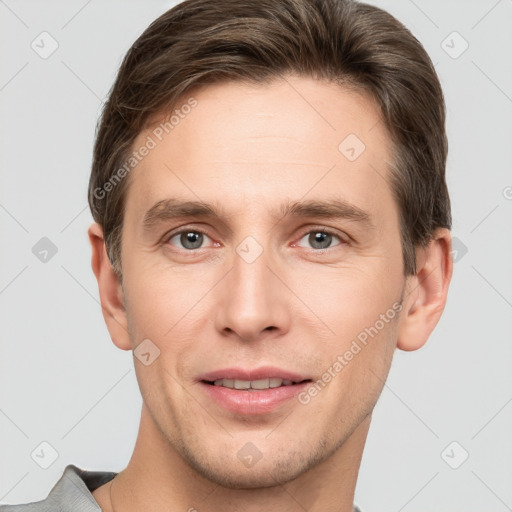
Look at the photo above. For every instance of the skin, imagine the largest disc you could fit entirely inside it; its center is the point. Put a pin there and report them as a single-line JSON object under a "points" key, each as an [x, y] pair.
{"points": [[253, 148]]}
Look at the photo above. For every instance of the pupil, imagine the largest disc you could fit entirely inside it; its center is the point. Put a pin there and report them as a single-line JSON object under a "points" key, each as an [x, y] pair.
{"points": [[195, 239], [191, 240], [323, 239]]}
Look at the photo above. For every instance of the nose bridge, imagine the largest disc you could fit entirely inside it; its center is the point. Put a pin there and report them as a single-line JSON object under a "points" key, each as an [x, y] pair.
{"points": [[252, 254], [250, 268], [252, 301]]}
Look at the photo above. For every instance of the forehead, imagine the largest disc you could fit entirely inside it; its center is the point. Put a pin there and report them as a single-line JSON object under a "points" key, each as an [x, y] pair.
{"points": [[257, 143]]}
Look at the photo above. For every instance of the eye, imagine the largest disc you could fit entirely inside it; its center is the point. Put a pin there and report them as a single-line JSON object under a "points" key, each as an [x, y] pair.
{"points": [[189, 239], [321, 238]]}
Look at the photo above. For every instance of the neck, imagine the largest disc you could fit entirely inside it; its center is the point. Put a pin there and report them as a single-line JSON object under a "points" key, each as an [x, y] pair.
{"points": [[157, 475]]}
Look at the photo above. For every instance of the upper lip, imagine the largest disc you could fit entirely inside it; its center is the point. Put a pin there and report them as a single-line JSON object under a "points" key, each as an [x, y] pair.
{"points": [[263, 372]]}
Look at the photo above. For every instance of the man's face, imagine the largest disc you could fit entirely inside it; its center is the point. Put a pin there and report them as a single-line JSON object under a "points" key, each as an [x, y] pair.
{"points": [[252, 289]]}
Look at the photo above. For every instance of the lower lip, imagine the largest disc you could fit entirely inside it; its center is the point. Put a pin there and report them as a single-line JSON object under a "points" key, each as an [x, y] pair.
{"points": [[262, 401]]}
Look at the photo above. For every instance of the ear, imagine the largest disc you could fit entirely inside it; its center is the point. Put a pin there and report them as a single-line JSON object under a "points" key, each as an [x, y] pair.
{"points": [[110, 289], [426, 292]]}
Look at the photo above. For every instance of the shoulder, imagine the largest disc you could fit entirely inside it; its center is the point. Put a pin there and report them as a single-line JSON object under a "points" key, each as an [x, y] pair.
{"points": [[72, 493]]}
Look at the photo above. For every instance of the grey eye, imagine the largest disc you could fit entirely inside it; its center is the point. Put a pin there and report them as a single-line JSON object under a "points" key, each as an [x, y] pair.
{"points": [[189, 239], [320, 239]]}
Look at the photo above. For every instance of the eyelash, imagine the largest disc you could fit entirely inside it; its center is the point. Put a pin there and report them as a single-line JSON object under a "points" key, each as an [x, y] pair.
{"points": [[327, 231]]}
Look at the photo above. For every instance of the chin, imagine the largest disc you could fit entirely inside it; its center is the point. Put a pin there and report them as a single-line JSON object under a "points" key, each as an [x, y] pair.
{"points": [[269, 474], [267, 469]]}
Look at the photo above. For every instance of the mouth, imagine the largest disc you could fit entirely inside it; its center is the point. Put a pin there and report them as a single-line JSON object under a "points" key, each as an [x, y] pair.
{"points": [[252, 392], [254, 385]]}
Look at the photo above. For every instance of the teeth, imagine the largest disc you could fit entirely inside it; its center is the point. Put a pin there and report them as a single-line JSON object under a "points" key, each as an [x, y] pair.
{"points": [[242, 384], [228, 383], [273, 382], [260, 384]]}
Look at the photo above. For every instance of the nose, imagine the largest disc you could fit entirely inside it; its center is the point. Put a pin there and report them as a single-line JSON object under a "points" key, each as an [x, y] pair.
{"points": [[253, 302]]}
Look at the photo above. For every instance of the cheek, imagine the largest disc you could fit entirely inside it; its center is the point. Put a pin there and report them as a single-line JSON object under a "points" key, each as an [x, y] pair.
{"points": [[362, 310], [159, 299], [353, 379], [361, 363], [165, 307], [348, 300]]}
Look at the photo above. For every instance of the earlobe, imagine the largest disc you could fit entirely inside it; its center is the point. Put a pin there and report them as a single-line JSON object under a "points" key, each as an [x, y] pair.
{"points": [[426, 292], [110, 290]]}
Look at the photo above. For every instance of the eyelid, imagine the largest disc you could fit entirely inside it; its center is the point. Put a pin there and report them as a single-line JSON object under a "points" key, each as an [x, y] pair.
{"points": [[343, 237], [184, 229]]}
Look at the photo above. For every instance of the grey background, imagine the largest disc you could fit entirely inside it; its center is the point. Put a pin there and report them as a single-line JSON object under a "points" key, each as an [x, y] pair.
{"points": [[63, 382]]}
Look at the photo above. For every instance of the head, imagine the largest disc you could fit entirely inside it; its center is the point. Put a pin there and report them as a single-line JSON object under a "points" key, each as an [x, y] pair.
{"points": [[310, 136]]}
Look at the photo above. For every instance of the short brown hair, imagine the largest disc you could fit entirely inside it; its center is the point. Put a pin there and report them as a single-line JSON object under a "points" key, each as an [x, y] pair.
{"points": [[200, 42]]}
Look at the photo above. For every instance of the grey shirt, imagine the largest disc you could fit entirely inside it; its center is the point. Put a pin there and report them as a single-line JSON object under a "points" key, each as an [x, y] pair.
{"points": [[72, 493]]}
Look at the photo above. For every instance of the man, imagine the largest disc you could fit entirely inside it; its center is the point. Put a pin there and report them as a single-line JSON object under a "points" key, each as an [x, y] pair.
{"points": [[272, 222]]}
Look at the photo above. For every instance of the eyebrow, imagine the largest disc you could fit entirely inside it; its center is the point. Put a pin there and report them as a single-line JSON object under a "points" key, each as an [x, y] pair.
{"points": [[173, 208]]}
